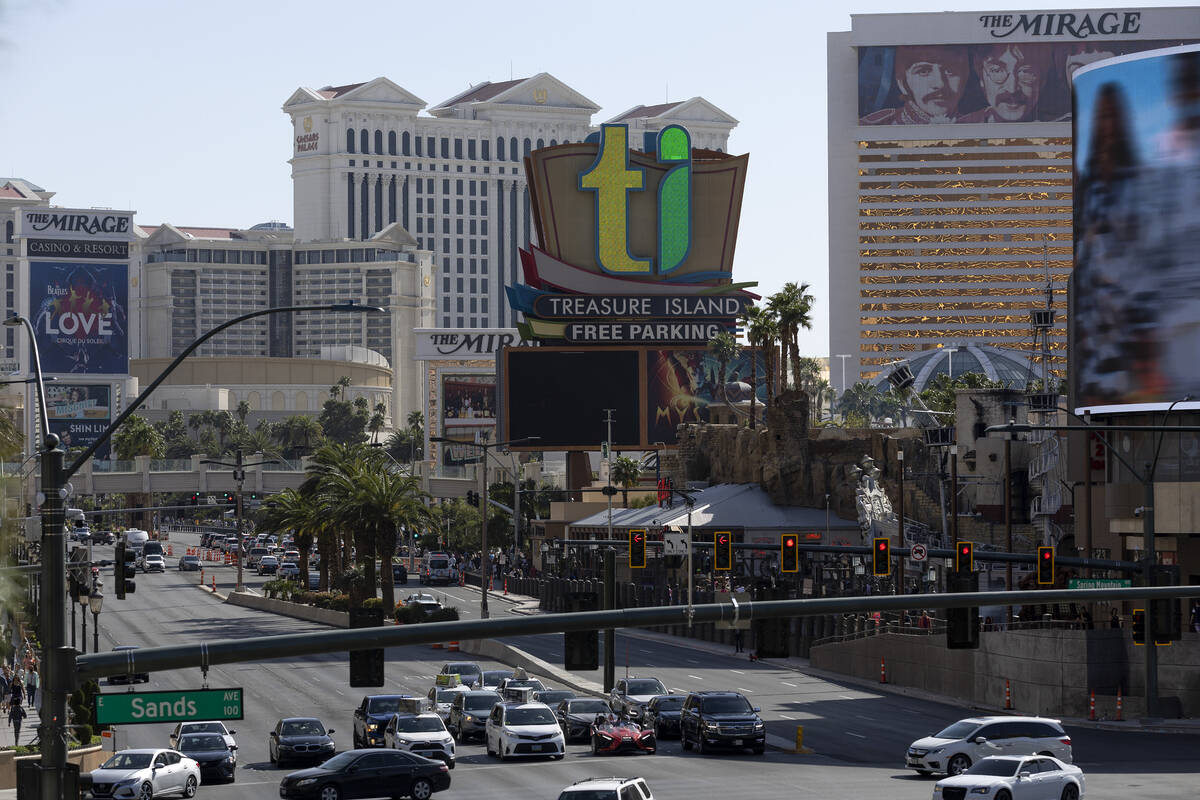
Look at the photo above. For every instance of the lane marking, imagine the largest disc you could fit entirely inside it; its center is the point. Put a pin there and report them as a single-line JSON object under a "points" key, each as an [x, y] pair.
{"points": [[856, 735], [692, 661], [794, 686], [785, 716], [738, 671], [861, 716], [696, 677], [747, 691], [847, 697]]}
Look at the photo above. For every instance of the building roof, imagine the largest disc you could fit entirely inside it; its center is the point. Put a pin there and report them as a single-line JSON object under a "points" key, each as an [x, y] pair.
{"points": [[1014, 367], [484, 91], [637, 112], [728, 505], [330, 92]]}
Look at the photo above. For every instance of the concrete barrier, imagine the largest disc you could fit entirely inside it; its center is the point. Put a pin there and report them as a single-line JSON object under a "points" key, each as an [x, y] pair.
{"points": [[325, 616], [514, 657], [88, 758]]}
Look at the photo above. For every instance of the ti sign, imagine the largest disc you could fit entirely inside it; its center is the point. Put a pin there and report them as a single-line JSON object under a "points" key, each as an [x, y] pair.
{"points": [[121, 708]]}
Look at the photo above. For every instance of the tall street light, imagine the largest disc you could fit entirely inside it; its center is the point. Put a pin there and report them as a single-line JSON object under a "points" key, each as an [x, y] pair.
{"points": [[239, 475], [485, 563], [58, 660]]}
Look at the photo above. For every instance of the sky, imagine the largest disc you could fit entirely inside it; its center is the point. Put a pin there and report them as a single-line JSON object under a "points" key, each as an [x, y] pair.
{"points": [[172, 109]]}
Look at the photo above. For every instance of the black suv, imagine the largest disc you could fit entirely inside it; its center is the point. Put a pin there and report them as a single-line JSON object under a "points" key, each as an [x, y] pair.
{"points": [[712, 720]]}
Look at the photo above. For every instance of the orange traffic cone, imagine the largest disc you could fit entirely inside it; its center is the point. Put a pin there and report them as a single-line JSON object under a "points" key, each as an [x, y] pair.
{"points": [[1092, 705], [506, 586], [882, 670], [1118, 704], [1007, 695], [214, 584]]}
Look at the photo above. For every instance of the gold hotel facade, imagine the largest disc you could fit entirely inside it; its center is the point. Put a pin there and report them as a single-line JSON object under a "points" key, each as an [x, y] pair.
{"points": [[950, 176]]}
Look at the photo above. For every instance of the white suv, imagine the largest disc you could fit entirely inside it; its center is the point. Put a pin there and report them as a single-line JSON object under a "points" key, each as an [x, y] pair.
{"points": [[956, 748], [424, 734], [523, 729], [608, 789]]}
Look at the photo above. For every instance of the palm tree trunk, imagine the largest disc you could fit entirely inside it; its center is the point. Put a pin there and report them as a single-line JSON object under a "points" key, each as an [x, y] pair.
{"points": [[386, 582]]}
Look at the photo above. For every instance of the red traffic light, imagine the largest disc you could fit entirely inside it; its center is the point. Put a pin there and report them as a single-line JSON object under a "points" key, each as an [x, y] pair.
{"points": [[637, 538], [1046, 554], [722, 539], [883, 546], [789, 542]]}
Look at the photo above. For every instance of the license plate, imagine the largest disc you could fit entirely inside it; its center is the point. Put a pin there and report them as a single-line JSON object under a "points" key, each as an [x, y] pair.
{"points": [[535, 747], [737, 742]]}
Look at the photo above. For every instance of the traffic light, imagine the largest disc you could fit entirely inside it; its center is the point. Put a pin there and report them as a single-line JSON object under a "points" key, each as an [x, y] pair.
{"points": [[1139, 626], [789, 553], [881, 556], [229, 497], [366, 666], [965, 557], [123, 571], [637, 548], [1045, 566], [195, 498], [473, 498], [581, 651], [722, 550]]}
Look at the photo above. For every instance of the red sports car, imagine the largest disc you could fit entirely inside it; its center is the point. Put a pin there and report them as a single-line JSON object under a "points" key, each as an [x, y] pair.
{"points": [[611, 736]]}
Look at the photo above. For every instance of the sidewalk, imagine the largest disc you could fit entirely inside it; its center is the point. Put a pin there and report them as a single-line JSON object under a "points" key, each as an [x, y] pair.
{"points": [[28, 725]]}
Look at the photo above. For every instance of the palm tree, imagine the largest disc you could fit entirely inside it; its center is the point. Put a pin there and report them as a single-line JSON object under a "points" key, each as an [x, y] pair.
{"points": [[725, 347], [298, 512], [625, 473], [11, 438], [243, 411], [860, 401], [338, 390], [376, 423], [137, 437], [792, 306], [760, 325]]}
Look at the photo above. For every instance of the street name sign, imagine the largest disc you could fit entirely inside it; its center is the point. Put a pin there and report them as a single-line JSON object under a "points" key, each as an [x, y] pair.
{"points": [[1098, 583], [129, 708]]}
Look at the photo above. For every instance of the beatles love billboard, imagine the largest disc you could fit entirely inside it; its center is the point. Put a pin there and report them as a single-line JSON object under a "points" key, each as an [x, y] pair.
{"points": [[80, 317]]}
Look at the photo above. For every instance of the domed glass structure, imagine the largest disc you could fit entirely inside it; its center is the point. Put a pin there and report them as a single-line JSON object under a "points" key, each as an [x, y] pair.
{"points": [[1013, 367], [271, 226]]}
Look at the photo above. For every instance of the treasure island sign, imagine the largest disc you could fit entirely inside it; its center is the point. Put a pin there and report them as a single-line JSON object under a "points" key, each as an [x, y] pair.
{"points": [[636, 247]]}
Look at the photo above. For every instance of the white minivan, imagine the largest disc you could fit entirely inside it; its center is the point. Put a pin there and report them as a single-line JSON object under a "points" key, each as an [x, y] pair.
{"points": [[954, 749]]}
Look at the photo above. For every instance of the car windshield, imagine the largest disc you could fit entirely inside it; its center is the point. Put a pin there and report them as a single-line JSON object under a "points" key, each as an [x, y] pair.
{"points": [[480, 702], [419, 725], [205, 741], [588, 707], [445, 696], [1001, 767], [383, 705], [530, 716], [956, 731], [672, 703], [128, 761], [303, 727], [203, 727], [495, 676], [553, 698], [647, 686], [727, 705], [341, 760], [462, 669]]}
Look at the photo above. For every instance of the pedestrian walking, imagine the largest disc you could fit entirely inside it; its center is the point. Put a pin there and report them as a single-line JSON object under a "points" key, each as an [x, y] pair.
{"points": [[15, 715], [1115, 620], [32, 681], [739, 640], [16, 692]]}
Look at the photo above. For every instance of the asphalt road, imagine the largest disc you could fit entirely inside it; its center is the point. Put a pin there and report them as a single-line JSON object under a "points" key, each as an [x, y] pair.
{"points": [[859, 736]]}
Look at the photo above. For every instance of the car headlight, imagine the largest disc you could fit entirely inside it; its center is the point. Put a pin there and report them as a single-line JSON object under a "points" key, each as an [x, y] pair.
{"points": [[229, 759], [373, 727], [934, 751], [712, 726], [468, 718], [128, 782], [403, 741], [306, 782], [758, 726], [327, 746], [981, 790], [937, 789]]}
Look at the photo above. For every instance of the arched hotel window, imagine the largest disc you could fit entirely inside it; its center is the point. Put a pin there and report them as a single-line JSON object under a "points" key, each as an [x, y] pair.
{"points": [[364, 141], [405, 143], [349, 140], [499, 148], [391, 143], [378, 142]]}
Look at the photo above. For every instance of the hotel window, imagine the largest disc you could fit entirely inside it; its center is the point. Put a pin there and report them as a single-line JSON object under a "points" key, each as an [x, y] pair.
{"points": [[430, 146], [418, 148], [404, 144], [512, 148], [445, 147], [378, 142], [364, 143], [499, 148], [457, 148], [392, 145], [349, 140]]}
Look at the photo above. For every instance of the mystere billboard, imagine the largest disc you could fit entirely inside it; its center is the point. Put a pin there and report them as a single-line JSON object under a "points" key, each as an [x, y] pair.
{"points": [[1010, 79], [80, 317], [1135, 301]]}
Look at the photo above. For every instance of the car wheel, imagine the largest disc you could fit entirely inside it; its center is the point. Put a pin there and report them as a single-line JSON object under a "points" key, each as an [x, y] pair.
{"points": [[421, 789], [189, 786], [684, 740], [1070, 792], [330, 792], [958, 765], [147, 792], [500, 749], [1003, 795]]}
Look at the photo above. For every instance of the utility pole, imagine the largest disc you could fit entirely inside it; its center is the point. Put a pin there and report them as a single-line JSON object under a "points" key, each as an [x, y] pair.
{"points": [[485, 581], [610, 602], [900, 561], [608, 419], [239, 475]]}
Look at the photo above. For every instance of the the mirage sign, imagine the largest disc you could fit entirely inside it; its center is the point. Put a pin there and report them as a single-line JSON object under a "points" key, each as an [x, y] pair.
{"points": [[61, 223], [463, 344], [80, 317]]}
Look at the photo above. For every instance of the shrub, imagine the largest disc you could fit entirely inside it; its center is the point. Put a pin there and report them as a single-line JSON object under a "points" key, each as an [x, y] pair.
{"points": [[281, 588], [373, 602]]}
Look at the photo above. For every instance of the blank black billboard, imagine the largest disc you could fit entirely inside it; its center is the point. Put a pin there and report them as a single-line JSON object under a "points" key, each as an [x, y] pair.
{"points": [[561, 396]]}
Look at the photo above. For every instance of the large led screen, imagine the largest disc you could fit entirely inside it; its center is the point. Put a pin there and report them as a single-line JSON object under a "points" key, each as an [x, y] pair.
{"points": [[79, 414], [1001, 82], [1135, 310], [681, 385], [80, 317], [561, 396]]}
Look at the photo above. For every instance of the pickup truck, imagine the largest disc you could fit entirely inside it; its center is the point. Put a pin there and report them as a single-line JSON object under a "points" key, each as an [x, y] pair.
{"points": [[373, 713]]}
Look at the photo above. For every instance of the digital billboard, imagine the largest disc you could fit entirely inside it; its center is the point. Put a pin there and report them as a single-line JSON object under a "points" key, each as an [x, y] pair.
{"points": [[560, 394], [1000, 82], [468, 400], [682, 384], [79, 413], [80, 317], [1135, 302]]}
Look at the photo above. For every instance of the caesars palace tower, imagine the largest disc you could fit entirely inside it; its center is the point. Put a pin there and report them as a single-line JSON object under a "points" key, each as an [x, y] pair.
{"points": [[950, 174]]}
